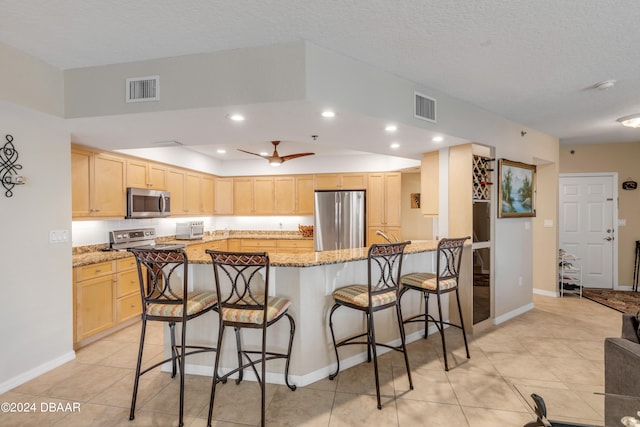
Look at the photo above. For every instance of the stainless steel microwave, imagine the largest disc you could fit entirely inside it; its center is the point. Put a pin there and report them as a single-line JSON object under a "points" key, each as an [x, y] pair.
{"points": [[144, 203]]}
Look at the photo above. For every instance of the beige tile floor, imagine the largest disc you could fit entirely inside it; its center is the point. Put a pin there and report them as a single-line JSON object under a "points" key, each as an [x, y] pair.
{"points": [[554, 350]]}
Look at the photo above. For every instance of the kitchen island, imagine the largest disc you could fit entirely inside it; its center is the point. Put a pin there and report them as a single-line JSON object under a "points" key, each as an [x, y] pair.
{"points": [[308, 280]]}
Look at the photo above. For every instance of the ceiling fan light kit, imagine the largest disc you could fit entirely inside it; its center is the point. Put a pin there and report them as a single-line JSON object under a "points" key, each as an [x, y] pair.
{"points": [[275, 159], [632, 121]]}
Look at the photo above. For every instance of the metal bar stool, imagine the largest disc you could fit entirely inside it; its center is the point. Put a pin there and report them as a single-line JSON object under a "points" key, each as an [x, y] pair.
{"points": [[380, 293], [165, 298], [241, 305], [445, 280]]}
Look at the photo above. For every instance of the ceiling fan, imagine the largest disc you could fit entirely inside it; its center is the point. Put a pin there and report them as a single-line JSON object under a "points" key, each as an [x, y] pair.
{"points": [[275, 159]]}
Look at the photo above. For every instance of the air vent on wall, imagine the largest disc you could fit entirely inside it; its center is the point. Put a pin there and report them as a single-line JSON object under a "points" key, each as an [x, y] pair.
{"points": [[143, 89], [425, 107]]}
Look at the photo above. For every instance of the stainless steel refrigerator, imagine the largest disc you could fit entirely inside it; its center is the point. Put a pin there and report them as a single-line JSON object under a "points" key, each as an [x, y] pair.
{"points": [[339, 220]]}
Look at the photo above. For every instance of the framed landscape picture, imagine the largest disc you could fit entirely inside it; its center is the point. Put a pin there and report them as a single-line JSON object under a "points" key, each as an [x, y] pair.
{"points": [[516, 189]]}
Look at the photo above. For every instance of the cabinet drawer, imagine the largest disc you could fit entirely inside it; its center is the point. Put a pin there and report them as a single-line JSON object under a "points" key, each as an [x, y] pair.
{"points": [[259, 243], [129, 307], [295, 244], [125, 264], [95, 270], [127, 283]]}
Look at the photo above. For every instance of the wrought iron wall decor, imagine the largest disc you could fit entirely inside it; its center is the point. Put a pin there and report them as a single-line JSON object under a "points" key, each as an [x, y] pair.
{"points": [[9, 167], [629, 184]]}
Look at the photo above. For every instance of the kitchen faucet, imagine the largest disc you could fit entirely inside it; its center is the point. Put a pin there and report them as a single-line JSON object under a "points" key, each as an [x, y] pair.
{"points": [[387, 238]]}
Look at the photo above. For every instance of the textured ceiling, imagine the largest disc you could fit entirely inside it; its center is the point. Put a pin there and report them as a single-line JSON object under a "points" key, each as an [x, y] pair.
{"points": [[534, 62]]}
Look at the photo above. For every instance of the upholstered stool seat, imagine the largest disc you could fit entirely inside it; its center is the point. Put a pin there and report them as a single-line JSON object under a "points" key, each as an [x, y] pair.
{"points": [[359, 295], [427, 281], [276, 307], [197, 302]]}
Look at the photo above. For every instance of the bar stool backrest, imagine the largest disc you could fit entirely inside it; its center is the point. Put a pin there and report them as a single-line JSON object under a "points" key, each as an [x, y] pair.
{"points": [[449, 258], [163, 269], [245, 272], [385, 265]]}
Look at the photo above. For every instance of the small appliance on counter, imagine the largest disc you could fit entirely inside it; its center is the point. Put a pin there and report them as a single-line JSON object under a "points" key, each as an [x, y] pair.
{"points": [[141, 238], [190, 230]]}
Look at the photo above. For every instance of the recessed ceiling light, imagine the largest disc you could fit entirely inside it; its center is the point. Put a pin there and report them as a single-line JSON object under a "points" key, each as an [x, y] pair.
{"points": [[632, 121], [236, 117], [437, 139], [264, 153], [221, 151], [391, 128], [328, 114], [394, 145]]}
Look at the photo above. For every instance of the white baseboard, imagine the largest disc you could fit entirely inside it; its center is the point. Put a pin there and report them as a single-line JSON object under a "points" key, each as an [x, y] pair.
{"points": [[555, 294], [36, 372], [513, 313]]}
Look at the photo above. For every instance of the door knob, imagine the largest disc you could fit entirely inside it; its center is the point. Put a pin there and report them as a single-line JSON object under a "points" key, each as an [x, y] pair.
{"points": [[608, 239]]}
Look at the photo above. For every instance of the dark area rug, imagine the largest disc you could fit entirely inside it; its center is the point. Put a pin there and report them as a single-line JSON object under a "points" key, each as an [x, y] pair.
{"points": [[623, 301]]}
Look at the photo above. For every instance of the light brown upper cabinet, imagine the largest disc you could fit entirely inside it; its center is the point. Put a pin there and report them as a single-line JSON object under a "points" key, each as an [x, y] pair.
{"points": [[293, 195], [429, 184], [285, 195], [175, 185], [223, 194], [207, 191], [192, 193], [304, 195], [143, 174], [253, 196], [341, 181], [97, 184], [264, 195], [383, 205]]}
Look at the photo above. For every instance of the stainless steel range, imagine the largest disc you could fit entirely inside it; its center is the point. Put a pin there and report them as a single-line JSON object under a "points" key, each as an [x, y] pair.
{"points": [[141, 238]]}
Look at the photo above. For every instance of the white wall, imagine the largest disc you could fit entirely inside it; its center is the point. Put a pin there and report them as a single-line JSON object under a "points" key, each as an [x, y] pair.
{"points": [[36, 286]]}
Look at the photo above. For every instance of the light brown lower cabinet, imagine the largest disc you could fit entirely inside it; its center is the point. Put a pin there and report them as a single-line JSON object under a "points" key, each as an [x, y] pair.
{"points": [[271, 245], [294, 246], [106, 298]]}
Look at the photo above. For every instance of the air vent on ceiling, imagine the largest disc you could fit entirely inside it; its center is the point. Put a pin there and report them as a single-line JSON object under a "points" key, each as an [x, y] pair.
{"points": [[143, 89], [425, 107]]}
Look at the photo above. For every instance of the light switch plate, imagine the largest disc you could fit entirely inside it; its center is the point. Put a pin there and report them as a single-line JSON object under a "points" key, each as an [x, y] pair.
{"points": [[548, 223], [58, 236]]}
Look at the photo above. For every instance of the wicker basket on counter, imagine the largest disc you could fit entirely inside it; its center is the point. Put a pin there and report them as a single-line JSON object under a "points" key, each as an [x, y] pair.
{"points": [[306, 230]]}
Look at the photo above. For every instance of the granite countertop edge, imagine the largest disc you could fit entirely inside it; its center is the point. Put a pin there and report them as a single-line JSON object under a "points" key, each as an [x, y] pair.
{"points": [[307, 259]]}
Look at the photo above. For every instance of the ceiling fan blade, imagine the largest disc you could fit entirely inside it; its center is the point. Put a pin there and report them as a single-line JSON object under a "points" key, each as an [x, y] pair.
{"points": [[255, 154], [294, 156]]}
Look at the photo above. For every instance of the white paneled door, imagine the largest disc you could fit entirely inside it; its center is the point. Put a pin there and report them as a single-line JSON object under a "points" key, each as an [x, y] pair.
{"points": [[587, 225]]}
